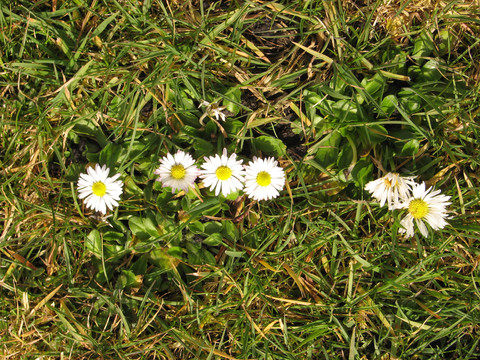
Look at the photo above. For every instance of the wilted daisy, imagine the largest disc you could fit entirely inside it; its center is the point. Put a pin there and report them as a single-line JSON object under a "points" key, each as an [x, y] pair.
{"points": [[392, 189], [223, 173], [177, 171], [98, 190], [263, 179], [424, 206], [213, 109]]}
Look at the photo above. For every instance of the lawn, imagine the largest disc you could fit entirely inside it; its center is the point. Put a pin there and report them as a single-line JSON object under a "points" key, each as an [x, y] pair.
{"points": [[311, 100]]}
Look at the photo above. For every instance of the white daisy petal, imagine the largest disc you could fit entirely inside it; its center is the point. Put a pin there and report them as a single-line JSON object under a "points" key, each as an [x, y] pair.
{"points": [[99, 191], [214, 110], [222, 173], [425, 207], [391, 189], [263, 179], [178, 171]]}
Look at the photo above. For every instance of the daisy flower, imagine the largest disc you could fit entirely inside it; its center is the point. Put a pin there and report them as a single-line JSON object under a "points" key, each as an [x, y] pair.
{"points": [[98, 190], [392, 188], [424, 206], [223, 173], [263, 179], [177, 171], [213, 110]]}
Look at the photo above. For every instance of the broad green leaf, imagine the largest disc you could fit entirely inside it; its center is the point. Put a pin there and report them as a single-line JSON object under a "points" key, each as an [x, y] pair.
{"points": [[175, 251], [362, 172], [160, 258], [212, 227], [207, 257], [230, 231], [202, 147], [233, 98], [328, 152], [270, 146], [237, 254], [410, 101], [139, 228], [375, 84], [128, 279], [196, 227], [430, 71], [422, 46], [111, 155], [93, 243], [213, 239], [139, 267], [345, 157], [388, 104], [131, 186], [372, 133], [233, 127], [208, 207], [411, 147], [113, 252], [345, 110]]}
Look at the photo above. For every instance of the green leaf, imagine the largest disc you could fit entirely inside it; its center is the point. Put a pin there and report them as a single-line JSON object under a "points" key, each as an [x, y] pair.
{"points": [[422, 46], [410, 101], [328, 152], [410, 148], [150, 226], [160, 258], [131, 187], [233, 98], [270, 146], [194, 253], [388, 104], [230, 231], [213, 227], [345, 157], [93, 243], [191, 131], [87, 127], [196, 227], [207, 257], [213, 240], [139, 267], [444, 42], [211, 129], [175, 251], [114, 237], [373, 134], [142, 228], [345, 110], [164, 197], [233, 127], [202, 147], [362, 172], [430, 71], [237, 254], [111, 155], [127, 279], [113, 252], [208, 207], [375, 84]]}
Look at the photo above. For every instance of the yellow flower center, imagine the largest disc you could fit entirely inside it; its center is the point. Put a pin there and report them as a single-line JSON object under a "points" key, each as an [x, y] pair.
{"points": [[99, 188], [418, 208], [264, 178], [388, 183], [223, 173], [178, 172]]}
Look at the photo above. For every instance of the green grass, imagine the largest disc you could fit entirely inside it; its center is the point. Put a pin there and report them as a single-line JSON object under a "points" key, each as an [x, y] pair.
{"points": [[338, 92]]}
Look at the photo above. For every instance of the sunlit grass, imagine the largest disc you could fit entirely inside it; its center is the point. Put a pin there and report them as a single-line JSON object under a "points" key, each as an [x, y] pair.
{"points": [[339, 93]]}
